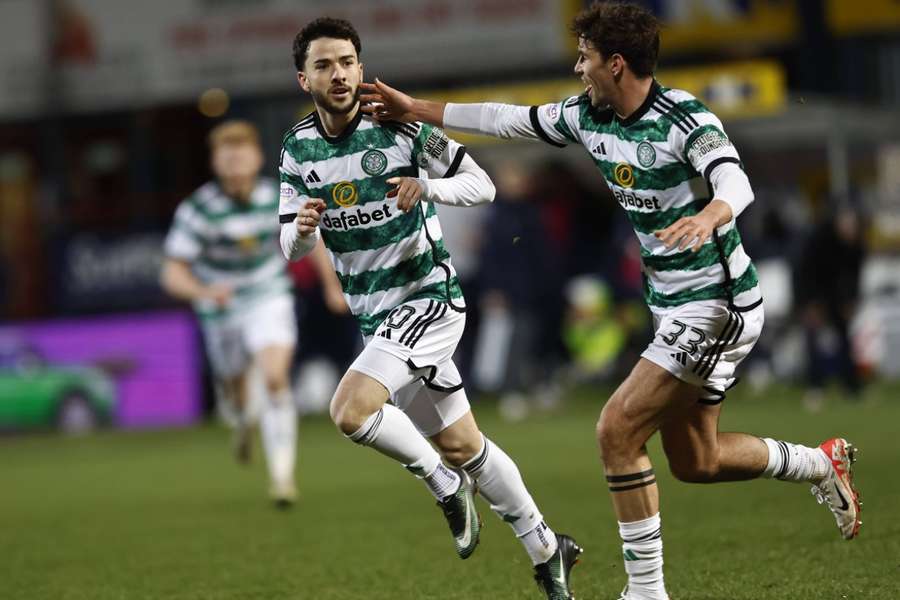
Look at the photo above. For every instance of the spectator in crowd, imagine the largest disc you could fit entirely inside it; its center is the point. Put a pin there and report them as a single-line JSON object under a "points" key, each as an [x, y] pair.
{"points": [[828, 289]]}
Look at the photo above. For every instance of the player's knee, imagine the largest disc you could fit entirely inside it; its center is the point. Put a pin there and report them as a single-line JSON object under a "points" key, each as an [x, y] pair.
{"points": [[610, 436], [694, 470], [458, 452], [345, 412], [276, 383]]}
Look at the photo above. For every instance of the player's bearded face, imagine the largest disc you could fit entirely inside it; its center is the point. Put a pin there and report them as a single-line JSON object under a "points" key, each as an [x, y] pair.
{"points": [[338, 99], [332, 76]]}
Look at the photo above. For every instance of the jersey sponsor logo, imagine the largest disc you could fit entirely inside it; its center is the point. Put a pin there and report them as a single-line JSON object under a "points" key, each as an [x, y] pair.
{"points": [[624, 175], [344, 194], [313, 177], [348, 219], [599, 148], [248, 244], [436, 143], [287, 191], [646, 154], [552, 111], [374, 162], [706, 143], [627, 199]]}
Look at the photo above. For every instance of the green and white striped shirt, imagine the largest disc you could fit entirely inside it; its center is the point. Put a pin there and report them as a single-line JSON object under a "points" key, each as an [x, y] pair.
{"points": [[657, 163], [382, 256], [230, 242]]}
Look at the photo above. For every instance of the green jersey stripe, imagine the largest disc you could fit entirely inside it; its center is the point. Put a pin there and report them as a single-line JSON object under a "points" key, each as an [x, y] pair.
{"points": [[644, 130], [378, 280], [651, 222], [368, 324], [295, 180], [235, 210], [235, 263], [707, 256], [317, 150], [372, 238], [370, 189], [716, 291], [246, 297], [657, 179]]}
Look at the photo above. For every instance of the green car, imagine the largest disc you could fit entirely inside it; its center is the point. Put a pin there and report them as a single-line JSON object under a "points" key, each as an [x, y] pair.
{"points": [[73, 399]]}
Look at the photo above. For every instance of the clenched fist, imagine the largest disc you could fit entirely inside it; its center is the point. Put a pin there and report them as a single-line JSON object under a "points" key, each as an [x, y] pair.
{"points": [[308, 216]]}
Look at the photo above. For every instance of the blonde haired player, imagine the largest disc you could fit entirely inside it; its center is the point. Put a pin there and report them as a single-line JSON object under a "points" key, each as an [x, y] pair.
{"points": [[222, 255]]}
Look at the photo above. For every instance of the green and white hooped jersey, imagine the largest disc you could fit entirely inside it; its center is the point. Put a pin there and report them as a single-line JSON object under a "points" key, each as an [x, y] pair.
{"points": [[657, 164], [382, 256], [232, 243]]}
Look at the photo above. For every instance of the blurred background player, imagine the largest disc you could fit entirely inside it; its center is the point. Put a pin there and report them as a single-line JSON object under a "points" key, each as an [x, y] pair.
{"points": [[357, 183], [677, 175], [222, 256]]}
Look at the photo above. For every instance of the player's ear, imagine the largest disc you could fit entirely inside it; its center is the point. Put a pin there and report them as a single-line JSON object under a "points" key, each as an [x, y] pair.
{"points": [[303, 81]]}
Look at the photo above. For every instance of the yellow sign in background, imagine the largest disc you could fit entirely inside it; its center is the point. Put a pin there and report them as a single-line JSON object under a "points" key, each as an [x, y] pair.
{"points": [[861, 16]]}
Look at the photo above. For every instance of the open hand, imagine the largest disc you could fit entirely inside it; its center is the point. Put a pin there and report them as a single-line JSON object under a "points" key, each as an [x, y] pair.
{"points": [[408, 192], [385, 103], [693, 232]]}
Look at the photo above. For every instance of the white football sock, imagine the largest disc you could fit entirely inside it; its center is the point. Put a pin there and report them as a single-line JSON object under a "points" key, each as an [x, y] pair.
{"points": [[500, 483], [441, 482], [278, 423], [642, 550], [390, 432], [540, 543], [793, 462]]}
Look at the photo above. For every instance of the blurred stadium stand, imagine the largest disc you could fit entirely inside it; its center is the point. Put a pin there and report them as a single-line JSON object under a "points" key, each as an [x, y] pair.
{"points": [[105, 104]]}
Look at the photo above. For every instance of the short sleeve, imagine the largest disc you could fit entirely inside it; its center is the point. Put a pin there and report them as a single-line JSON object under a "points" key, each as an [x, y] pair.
{"points": [[185, 238], [435, 152], [553, 122], [293, 192]]}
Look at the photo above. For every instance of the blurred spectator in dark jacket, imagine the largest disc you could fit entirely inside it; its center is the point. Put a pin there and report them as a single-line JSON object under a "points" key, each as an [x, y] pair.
{"points": [[515, 269], [827, 292]]}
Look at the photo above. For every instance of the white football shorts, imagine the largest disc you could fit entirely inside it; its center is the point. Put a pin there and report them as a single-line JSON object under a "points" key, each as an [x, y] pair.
{"points": [[233, 339], [703, 343], [411, 354]]}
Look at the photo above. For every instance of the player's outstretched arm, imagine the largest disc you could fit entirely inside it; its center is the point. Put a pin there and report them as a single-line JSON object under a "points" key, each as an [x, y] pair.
{"points": [[385, 103], [389, 104]]}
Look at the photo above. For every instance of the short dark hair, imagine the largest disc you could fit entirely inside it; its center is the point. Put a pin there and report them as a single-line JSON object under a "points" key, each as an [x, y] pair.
{"points": [[323, 27], [621, 28]]}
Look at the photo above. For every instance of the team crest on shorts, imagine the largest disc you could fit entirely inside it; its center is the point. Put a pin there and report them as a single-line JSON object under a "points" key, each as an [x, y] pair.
{"points": [[624, 175], [344, 194], [374, 162], [646, 154]]}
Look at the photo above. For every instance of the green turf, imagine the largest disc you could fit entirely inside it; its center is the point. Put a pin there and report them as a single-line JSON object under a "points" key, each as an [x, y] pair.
{"points": [[167, 515]]}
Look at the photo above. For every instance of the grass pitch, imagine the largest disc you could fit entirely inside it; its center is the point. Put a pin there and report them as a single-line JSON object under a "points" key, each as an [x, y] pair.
{"points": [[168, 515]]}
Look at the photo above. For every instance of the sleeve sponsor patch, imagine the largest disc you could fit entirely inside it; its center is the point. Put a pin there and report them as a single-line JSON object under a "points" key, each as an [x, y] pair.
{"points": [[706, 143], [552, 112], [287, 191], [436, 143]]}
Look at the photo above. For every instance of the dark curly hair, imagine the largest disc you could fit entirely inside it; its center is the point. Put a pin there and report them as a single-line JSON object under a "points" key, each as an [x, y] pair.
{"points": [[621, 28], [323, 27]]}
